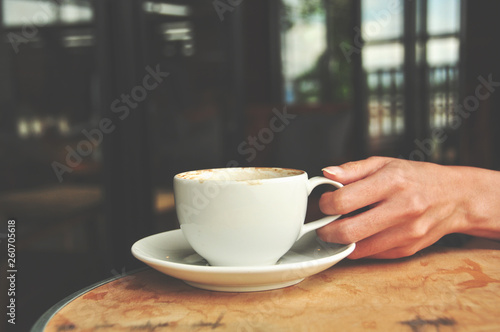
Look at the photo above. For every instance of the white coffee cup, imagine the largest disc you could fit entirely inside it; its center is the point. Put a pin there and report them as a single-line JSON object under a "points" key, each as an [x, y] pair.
{"points": [[245, 216]]}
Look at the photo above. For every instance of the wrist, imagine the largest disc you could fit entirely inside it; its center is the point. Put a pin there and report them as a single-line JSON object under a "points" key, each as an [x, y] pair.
{"points": [[479, 198]]}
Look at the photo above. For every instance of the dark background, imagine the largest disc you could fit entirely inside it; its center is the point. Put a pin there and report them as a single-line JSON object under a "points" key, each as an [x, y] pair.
{"points": [[67, 66]]}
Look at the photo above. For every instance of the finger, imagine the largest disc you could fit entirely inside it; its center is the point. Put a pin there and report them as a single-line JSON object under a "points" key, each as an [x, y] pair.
{"points": [[360, 226], [355, 170], [395, 242], [386, 244], [393, 253], [356, 195]]}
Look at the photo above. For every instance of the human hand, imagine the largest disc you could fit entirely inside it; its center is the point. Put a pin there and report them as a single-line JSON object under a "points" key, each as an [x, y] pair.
{"points": [[412, 205]]}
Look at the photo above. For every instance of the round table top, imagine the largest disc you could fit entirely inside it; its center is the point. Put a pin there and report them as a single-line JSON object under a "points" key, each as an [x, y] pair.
{"points": [[438, 289]]}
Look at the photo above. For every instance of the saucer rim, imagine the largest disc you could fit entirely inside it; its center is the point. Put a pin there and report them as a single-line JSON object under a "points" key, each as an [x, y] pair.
{"points": [[230, 269]]}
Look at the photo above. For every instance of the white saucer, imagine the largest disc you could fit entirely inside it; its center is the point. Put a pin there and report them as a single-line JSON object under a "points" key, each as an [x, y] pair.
{"points": [[170, 253]]}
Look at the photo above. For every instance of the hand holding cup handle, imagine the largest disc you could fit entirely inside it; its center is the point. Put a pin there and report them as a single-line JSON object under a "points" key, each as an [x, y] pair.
{"points": [[313, 225]]}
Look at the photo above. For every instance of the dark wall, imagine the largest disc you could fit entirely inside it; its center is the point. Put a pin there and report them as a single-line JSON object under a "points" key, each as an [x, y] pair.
{"points": [[480, 139]]}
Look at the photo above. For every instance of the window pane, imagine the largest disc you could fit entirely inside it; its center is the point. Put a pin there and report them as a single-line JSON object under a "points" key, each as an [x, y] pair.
{"points": [[36, 14], [382, 19], [303, 44], [383, 56], [442, 51], [443, 16], [17, 13], [443, 94], [77, 11]]}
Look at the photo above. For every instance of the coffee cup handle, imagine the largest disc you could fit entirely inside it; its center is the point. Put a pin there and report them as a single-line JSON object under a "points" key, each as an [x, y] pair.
{"points": [[311, 184]]}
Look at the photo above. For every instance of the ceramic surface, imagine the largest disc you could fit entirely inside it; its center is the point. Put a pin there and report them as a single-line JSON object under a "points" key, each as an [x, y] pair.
{"points": [[245, 216], [170, 253]]}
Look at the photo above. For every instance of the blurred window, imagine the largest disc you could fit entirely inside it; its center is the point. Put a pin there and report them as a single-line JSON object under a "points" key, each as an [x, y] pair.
{"points": [[303, 43], [51, 99], [45, 12], [381, 20], [442, 50], [443, 16], [437, 47], [166, 9], [314, 69], [383, 60]]}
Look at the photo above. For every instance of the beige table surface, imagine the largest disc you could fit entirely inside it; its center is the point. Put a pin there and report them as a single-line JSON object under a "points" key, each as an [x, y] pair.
{"points": [[439, 289]]}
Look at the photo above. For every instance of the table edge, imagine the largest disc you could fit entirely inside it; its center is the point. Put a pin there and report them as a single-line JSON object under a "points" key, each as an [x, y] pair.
{"points": [[43, 320]]}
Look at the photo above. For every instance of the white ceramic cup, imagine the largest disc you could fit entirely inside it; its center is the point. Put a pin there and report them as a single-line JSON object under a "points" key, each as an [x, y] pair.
{"points": [[245, 216]]}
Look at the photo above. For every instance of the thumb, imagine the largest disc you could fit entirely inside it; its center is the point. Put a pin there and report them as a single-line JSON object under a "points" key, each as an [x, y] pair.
{"points": [[355, 170]]}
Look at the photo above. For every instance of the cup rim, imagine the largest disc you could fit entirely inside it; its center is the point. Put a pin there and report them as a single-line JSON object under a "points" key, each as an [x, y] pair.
{"points": [[194, 175]]}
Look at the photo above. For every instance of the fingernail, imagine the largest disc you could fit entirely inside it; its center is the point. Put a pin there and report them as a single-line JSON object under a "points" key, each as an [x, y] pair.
{"points": [[333, 170]]}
